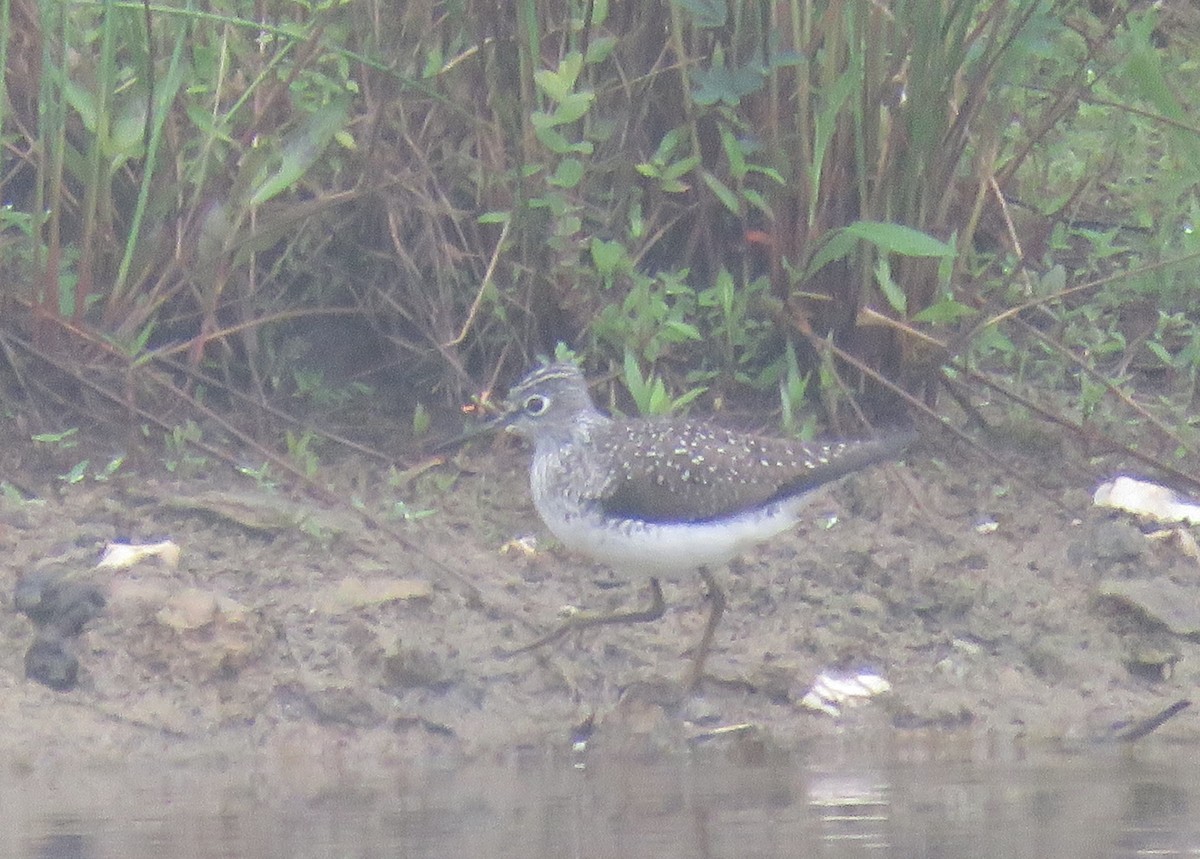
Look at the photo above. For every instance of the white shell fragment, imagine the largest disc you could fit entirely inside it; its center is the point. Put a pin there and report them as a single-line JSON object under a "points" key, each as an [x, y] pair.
{"points": [[525, 545], [831, 692], [1144, 498], [121, 556]]}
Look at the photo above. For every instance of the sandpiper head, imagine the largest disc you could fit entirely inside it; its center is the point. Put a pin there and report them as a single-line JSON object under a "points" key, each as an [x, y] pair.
{"points": [[547, 402]]}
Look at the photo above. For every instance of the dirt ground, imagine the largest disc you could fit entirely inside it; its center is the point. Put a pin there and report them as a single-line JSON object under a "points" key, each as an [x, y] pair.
{"points": [[301, 634]]}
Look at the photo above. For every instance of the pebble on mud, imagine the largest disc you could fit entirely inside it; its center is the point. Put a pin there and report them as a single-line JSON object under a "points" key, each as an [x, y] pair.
{"points": [[193, 608], [49, 662], [411, 667], [1160, 601], [54, 601], [59, 606], [353, 593]]}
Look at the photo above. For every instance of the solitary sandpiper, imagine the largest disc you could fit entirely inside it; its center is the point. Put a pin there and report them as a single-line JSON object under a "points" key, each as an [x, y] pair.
{"points": [[658, 498]]}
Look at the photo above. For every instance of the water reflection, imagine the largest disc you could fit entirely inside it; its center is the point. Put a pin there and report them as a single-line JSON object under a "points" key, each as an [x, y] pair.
{"points": [[1113, 804]]}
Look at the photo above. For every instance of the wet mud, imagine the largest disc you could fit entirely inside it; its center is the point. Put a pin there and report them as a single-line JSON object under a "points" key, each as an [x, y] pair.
{"points": [[998, 607]]}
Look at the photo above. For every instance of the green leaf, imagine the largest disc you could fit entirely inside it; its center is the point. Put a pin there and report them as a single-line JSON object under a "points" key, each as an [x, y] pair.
{"points": [[57, 437], [77, 473], [666, 146], [1160, 352], [568, 173], [637, 223], [205, 124], [680, 167], [887, 285], [733, 151], [824, 126], [127, 132], [1053, 281], [728, 85], [607, 257], [678, 331], [723, 292], [302, 148], [84, 102], [567, 225], [573, 107], [114, 465], [421, 420], [758, 201], [433, 62], [599, 49], [992, 339], [551, 84], [723, 192], [838, 245], [660, 403], [639, 387], [1145, 68], [687, 398], [943, 312], [896, 238], [551, 138], [770, 172], [557, 85]]}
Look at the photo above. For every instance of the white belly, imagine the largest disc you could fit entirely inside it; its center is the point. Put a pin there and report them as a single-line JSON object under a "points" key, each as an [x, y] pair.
{"points": [[634, 548]]}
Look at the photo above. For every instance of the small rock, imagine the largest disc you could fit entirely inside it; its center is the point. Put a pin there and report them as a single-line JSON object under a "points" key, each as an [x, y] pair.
{"points": [[193, 608], [774, 681], [50, 663], [867, 604], [353, 593], [1160, 601], [1116, 542], [1152, 663], [1048, 662], [54, 601], [339, 705], [410, 667], [137, 595], [189, 609]]}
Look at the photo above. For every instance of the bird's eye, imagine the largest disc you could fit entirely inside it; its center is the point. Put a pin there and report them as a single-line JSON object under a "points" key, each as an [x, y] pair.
{"points": [[536, 405]]}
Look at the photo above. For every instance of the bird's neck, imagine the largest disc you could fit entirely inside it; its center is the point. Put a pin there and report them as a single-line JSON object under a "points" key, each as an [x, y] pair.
{"points": [[577, 431]]}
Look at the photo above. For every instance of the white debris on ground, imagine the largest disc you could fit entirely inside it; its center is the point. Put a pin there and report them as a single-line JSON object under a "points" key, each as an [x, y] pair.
{"points": [[831, 692], [120, 556], [1144, 498]]}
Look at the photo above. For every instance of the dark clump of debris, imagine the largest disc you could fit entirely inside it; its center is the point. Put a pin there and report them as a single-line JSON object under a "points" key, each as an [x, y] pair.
{"points": [[59, 607]]}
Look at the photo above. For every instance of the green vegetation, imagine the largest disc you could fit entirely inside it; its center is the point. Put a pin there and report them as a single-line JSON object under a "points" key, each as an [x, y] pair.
{"points": [[825, 203]]}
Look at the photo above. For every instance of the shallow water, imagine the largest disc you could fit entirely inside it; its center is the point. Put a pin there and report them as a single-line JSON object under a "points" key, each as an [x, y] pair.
{"points": [[1111, 802]]}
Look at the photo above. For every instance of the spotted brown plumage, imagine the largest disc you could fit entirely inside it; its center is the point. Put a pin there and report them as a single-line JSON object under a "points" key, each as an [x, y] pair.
{"points": [[661, 497]]}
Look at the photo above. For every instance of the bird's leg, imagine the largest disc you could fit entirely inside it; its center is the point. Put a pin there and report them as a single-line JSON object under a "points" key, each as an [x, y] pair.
{"points": [[583, 620], [717, 597]]}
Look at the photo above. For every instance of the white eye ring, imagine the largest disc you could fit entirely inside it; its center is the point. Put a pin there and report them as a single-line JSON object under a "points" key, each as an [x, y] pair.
{"points": [[535, 405]]}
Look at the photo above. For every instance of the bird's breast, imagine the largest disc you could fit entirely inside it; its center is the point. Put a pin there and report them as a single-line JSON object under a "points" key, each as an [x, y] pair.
{"points": [[635, 547]]}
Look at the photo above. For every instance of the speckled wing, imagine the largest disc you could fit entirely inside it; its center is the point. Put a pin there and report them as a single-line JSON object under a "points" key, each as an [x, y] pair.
{"points": [[679, 471]]}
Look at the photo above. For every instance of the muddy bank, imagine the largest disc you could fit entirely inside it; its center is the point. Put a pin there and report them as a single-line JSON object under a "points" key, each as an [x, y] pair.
{"points": [[311, 638]]}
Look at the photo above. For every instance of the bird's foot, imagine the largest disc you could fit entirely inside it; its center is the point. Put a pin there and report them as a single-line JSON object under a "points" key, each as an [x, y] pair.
{"points": [[585, 620]]}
